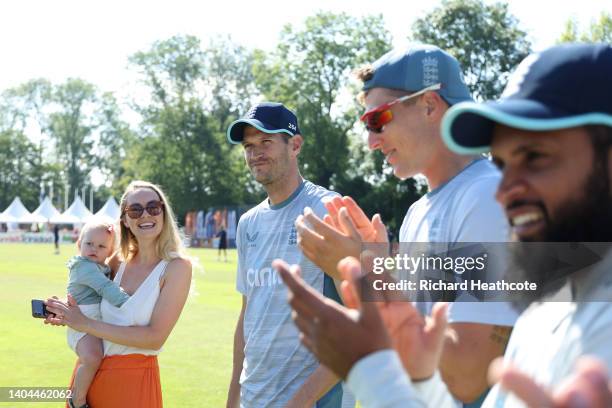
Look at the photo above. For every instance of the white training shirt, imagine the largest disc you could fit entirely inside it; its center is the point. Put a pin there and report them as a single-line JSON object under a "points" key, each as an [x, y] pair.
{"points": [[463, 210]]}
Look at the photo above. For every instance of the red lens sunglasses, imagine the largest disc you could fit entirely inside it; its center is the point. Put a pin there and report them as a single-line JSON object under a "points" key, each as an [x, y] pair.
{"points": [[376, 118]]}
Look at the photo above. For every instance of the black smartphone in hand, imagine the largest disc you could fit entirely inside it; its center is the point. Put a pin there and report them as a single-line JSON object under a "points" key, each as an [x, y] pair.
{"points": [[39, 309]]}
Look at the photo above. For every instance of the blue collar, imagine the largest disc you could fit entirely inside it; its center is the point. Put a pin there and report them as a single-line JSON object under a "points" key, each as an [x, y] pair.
{"points": [[286, 202]]}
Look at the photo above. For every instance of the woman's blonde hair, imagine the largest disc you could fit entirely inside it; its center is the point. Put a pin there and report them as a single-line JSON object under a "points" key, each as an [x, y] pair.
{"points": [[169, 244]]}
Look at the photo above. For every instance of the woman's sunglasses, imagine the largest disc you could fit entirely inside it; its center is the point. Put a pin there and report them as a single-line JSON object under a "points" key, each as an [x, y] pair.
{"points": [[153, 208], [375, 119]]}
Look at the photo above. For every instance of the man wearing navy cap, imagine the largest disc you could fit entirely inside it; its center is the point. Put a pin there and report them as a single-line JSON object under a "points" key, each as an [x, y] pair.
{"points": [[551, 135], [406, 93], [271, 367]]}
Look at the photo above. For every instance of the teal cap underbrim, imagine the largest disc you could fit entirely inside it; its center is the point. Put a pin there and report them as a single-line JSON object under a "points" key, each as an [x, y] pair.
{"points": [[467, 128]]}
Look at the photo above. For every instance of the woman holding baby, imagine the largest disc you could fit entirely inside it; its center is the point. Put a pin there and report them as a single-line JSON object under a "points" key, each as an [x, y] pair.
{"points": [[154, 270]]}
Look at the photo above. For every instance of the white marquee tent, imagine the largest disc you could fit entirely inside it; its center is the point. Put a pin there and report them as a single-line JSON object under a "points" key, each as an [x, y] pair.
{"points": [[77, 213], [15, 212], [110, 211], [43, 213]]}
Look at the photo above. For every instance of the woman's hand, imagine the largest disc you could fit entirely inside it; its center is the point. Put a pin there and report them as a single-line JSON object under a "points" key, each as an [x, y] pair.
{"points": [[52, 318], [67, 313]]}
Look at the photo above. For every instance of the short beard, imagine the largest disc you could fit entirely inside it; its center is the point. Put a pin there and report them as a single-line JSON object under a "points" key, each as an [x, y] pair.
{"points": [[586, 220], [264, 180], [276, 175]]}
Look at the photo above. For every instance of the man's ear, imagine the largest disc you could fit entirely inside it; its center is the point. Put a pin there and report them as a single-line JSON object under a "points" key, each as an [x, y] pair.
{"points": [[296, 144], [430, 102], [435, 106]]}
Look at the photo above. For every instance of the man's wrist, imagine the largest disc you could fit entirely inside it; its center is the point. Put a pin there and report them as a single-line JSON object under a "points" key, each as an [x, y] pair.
{"points": [[366, 359], [423, 379], [379, 379], [358, 355]]}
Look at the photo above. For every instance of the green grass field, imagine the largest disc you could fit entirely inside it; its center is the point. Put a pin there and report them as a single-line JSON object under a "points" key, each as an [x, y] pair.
{"points": [[196, 361]]}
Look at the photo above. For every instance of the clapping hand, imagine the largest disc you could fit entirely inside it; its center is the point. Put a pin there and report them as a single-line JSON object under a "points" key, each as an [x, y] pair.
{"points": [[341, 233], [590, 386], [373, 324]]}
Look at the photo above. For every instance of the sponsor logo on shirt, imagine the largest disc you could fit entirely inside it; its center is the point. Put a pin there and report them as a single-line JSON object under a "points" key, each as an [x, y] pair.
{"points": [[251, 239], [434, 230], [292, 236], [263, 277]]}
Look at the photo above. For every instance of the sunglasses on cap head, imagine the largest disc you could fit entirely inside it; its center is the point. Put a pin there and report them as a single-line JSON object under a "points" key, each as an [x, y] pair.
{"points": [[153, 208], [375, 119]]}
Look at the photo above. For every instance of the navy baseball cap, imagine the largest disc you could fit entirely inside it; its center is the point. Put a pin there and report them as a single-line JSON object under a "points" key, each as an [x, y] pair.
{"points": [[561, 87], [419, 66], [268, 117]]}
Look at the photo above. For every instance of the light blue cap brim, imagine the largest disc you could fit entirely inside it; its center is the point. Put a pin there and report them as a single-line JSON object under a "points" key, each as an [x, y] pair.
{"points": [[235, 131], [468, 126]]}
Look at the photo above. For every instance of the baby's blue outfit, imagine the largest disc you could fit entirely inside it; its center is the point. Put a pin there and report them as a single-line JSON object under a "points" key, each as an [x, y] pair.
{"points": [[89, 282]]}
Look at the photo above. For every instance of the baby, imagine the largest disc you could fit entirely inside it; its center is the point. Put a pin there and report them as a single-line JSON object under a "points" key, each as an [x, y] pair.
{"points": [[88, 283]]}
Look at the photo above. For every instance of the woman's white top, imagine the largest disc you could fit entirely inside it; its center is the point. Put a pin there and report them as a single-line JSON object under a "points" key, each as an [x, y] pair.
{"points": [[136, 311]]}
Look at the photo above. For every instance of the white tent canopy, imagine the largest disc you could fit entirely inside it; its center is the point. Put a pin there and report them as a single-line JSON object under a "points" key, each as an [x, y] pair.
{"points": [[43, 213], [77, 213], [110, 211], [15, 212]]}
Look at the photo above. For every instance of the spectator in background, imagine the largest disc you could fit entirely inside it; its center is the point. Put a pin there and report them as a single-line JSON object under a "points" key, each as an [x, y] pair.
{"points": [[222, 235], [56, 238]]}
